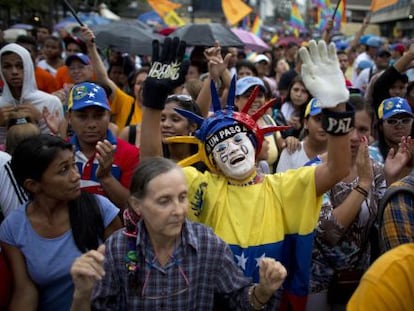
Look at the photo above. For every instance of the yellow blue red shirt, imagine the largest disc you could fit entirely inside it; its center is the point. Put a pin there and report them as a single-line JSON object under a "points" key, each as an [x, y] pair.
{"points": [[275, 218]]}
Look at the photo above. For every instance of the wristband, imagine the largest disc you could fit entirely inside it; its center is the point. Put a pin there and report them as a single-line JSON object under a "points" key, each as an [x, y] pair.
{"points": [[361, 190], [338, 123]]}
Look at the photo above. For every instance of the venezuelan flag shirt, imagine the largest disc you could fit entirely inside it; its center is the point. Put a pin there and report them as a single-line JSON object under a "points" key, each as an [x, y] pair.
{"points": [[275, 218]]}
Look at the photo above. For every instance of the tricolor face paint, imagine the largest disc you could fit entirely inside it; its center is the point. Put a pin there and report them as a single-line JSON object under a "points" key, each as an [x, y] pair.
{"points": [[235, 156]]}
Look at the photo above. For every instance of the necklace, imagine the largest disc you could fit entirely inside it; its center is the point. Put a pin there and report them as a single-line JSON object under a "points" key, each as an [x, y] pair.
{"points": [[257, 178]]}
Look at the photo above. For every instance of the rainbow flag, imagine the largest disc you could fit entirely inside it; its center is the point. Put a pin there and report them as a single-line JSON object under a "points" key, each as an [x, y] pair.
{"points": [[340, 16], [256, 26], [323, 4], [296, 20]]}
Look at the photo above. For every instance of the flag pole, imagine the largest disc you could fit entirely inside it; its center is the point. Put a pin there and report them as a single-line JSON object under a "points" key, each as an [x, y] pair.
{"points": [[72, 11], [336, 9]]}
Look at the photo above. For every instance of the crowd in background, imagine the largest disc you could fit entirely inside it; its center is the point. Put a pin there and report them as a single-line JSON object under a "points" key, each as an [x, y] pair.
{"points": [[60, 72]]}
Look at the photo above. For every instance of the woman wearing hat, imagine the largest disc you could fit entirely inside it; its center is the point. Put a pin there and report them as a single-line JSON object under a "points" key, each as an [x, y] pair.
{"points": [[313, 144]]}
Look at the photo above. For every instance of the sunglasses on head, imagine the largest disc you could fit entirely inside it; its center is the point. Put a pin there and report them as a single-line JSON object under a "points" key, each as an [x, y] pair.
{"points": [[180, 97]]}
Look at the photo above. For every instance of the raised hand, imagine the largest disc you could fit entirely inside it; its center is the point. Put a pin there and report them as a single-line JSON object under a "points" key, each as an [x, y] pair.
{"points": [[322, 75], [216, 64], [272, 274], [167, 72], [52, 119], [364, 166], [105, 156], [399, 163], [87, 270]]}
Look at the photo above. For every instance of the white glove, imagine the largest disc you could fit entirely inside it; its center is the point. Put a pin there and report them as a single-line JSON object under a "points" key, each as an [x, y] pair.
{"points": [[322, 75]]}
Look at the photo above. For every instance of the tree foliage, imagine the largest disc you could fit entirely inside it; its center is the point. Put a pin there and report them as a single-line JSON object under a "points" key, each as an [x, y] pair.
{"points": [[49, 11]]}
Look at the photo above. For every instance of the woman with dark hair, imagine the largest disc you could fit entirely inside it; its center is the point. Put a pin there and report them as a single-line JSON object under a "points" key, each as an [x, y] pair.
{"points": [[168, 262], [313, 144], [42, 238], [342, 247], [395, 121], [293, 109]]}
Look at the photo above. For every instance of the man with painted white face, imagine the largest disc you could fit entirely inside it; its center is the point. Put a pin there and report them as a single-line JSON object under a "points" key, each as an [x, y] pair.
{"points": [[257, 215]]}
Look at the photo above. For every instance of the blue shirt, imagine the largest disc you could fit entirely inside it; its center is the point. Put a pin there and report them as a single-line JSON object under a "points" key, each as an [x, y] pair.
{"points": [[49, 260]]}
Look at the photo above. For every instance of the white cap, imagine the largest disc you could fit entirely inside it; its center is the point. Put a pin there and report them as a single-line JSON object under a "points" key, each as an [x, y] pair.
{"points": [[260, 58]]}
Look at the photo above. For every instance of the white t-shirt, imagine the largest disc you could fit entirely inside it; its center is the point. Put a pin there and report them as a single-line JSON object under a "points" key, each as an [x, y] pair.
{"points": [[292, 160]]}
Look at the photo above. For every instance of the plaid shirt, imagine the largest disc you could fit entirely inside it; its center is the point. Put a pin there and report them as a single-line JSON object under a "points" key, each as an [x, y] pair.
{"points": [[398, 219], [204, 259]]}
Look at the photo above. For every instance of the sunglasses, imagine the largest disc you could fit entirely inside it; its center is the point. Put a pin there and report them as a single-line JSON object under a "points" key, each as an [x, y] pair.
{"points": [[180, 97], [394, 121]]}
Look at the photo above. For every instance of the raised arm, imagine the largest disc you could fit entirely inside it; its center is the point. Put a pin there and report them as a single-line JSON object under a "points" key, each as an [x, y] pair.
{"points": [[167, 72], [358, 35], [86, 271], [98, 66], [217, 68], [325, 81]]}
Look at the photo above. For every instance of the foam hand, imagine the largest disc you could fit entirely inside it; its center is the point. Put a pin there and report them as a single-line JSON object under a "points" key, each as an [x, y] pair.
{"points": [[322, 75], [167, 72]]}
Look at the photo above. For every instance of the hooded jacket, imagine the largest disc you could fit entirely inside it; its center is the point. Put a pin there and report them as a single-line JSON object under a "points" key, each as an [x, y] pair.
{"points": [[30, 92]]}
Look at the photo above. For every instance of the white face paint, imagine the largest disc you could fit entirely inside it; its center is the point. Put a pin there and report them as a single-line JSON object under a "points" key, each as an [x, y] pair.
{"points": [[235, 156]]}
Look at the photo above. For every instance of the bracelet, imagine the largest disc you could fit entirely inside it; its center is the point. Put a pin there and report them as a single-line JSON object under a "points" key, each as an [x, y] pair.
{"points": [[361, 190], [338, 123], [253, 297]]}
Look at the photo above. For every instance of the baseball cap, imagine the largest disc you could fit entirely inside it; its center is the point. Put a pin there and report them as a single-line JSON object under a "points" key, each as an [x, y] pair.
{"points": [[87, 94], [364, 38], [364, 64], [261, 58], [245, 83], [391, 106], [374, 42], [383, 53], [79, 56], [313, 108], [398, 47]]}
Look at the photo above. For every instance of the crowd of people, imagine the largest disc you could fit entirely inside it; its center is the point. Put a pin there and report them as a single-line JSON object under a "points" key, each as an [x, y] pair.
{"points": [[206, 178]]}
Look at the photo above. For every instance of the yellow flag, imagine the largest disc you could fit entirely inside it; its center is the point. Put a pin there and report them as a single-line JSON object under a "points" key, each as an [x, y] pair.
{"points": [[274, 39], [172, 19], [162, 7], [235, 10], [381, 4]]}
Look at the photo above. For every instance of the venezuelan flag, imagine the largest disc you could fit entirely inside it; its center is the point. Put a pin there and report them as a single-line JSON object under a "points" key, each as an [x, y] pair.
{"points": [[296, 20], [256, 26]]}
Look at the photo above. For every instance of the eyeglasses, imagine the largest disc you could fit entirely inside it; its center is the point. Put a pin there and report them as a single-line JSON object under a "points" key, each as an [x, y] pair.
{"points": [[167, 295], [394, 121]]}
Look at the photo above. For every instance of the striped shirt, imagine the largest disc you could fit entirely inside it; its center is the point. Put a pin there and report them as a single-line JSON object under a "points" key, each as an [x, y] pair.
{"points": [[201, 269], [398, 219], [11, 195]]}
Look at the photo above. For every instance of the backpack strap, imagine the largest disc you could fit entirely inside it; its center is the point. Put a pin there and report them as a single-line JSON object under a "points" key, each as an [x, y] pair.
{"points": [[131, 113], [388, 196], [132, 134]]}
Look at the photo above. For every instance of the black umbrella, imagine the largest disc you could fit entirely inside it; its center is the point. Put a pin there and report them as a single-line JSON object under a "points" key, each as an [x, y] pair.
{"points": [[127, 37], [206, 34]]}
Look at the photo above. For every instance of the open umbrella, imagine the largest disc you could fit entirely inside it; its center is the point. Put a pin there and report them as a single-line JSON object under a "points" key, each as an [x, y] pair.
{"points": [[11, 34], [127, 37], [206, 34], [250, 40]]}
